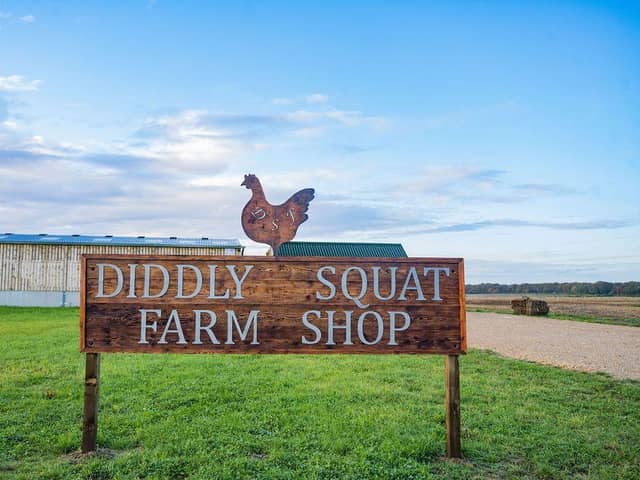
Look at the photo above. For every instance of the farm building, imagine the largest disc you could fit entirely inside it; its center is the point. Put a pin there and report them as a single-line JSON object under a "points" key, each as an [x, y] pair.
{"points": [[44, 270]]}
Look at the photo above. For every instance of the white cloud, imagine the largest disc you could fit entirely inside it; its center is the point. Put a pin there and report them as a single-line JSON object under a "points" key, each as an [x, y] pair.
{"points": [[282, 101], [25, 18], [201, 142], [216, 181], [309, 132], [349, 118], [439, 178], [187, 142], [177, 173], [184, 179], [18, 83], [317, 98]]}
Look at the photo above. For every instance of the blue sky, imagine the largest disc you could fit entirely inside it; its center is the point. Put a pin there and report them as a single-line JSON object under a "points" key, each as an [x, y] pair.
{"points": [[507, 133]]}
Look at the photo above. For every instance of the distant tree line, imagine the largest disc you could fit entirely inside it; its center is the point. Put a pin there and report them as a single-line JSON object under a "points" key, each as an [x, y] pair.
{"points": [[630, 289]]}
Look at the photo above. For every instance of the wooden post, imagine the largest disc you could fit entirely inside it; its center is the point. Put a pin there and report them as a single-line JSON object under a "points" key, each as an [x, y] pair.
{"points": [[452, 401], [91, 391]]}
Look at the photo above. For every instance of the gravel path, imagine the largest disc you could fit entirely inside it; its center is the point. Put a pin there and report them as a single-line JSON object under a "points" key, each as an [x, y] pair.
{"points": [[590, 347]]}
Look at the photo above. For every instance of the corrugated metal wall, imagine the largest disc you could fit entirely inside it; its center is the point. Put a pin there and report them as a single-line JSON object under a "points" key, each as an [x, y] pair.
{"points": [[40, 299], [48, 268]]}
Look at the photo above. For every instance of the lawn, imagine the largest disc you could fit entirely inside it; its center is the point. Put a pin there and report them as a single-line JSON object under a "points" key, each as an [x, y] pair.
{"points": [[233, 416]]}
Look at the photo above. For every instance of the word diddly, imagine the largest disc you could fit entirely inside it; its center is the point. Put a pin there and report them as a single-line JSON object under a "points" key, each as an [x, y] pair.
{"points": [[229, 286]]}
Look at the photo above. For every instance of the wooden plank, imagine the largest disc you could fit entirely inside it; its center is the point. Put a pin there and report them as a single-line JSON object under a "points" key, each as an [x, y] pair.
{"points": [[83, 300], [278, 330], [463, 307], [91, 395], [293, 282], [155, 304], [452, 402]]}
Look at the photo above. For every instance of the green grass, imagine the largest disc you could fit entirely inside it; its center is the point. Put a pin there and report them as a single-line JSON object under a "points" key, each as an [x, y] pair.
{"points": [[627, 322], [290, 417]]}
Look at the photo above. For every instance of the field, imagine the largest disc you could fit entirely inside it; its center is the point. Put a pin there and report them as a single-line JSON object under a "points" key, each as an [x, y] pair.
{"points": [[613, 310], [291, 417]]}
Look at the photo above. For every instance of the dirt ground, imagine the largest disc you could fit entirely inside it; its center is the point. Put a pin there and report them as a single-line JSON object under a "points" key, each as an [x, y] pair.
{"points": [[590, 347], [603, 307]]}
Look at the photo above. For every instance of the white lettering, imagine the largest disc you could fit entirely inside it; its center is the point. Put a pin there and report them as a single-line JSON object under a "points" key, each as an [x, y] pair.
{"points": [[233, 320], [173, 317], [238, 282], [311, 326], [392, 325], [326, 283], [259, 213], [147, 280], [132, 280], [346, 327], [120, 282], [361, 320], [198, 327], [376, 283], [196, 291], [363, 285], [212, 284], [436, 280], [144, 326], [412, 275]]}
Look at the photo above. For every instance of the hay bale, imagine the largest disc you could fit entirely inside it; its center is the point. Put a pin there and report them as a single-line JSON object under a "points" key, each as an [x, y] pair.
{"points": [[519, 306], [537, 307], [528, 306]]}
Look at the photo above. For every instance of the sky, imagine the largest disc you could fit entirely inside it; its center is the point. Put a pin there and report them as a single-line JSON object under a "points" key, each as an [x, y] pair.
{"points": [[507, 133]]}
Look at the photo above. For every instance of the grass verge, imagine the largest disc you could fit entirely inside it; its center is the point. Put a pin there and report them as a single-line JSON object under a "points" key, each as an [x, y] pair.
{"points": [[627, 322], [286, 417]]}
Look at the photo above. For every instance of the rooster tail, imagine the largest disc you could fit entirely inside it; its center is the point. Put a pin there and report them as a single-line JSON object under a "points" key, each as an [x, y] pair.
{"points": [[299, 203], [304, 197]]}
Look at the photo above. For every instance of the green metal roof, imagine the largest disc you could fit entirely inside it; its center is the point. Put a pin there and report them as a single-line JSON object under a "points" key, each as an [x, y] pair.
{"points": [[340, 249]]}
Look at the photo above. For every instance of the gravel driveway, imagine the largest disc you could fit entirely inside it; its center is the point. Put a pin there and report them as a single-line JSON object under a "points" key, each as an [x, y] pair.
{"points": [[590, 347]]}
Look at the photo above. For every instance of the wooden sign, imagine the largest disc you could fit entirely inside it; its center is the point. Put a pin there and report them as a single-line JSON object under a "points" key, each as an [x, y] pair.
{"points": [[155, 304], [273, 224]]}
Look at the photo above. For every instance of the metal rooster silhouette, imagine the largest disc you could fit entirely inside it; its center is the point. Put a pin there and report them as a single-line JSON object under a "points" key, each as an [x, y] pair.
{"points": [[273, 224]]}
